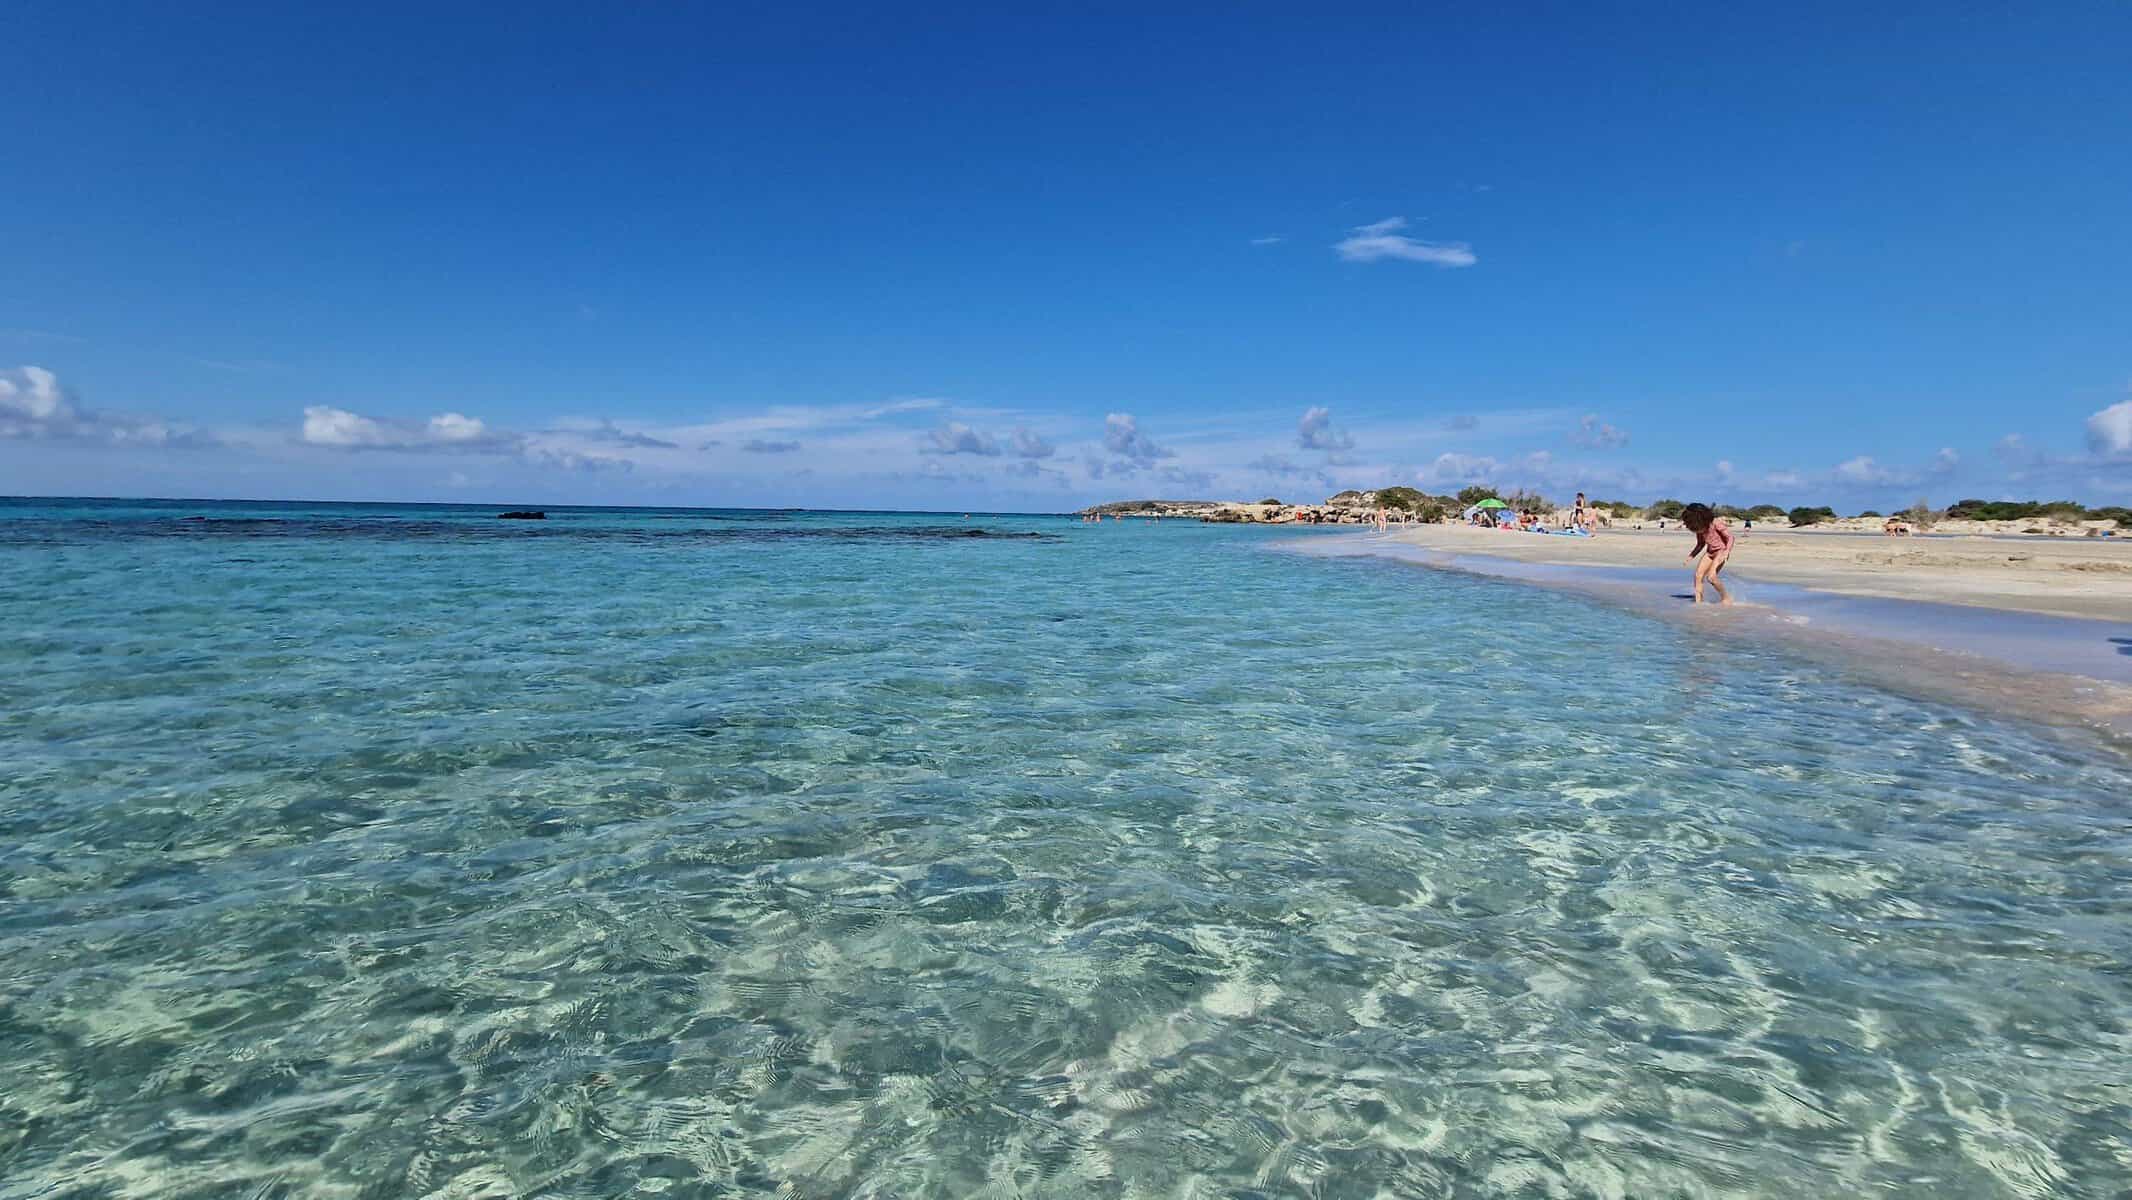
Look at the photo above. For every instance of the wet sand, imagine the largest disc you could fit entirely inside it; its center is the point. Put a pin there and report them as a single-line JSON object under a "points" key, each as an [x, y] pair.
{"points": [[2052, 658], [2067, 577]]}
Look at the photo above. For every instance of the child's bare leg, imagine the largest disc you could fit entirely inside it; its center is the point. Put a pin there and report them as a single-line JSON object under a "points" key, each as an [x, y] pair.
{"points": [[1716, 571], [1702, 570]]}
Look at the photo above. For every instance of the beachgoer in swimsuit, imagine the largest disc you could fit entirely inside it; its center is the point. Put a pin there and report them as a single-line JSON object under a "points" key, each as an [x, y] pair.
{"points": [[1714, 542]]}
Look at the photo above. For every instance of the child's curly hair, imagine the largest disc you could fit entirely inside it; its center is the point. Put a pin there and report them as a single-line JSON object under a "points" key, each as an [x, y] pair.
{"points": [[1697, 517]]}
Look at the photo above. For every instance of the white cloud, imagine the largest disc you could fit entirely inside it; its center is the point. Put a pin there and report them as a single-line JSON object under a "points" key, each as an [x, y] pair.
{"points": [[328, 426], [1030, 445], [1379, 240], [456, 429], [1267, 241], [1725, 472], [1315, 432], [1594, 434], [954, 437], [759, 446], [1122, 437], [1862, 469], [340, 429], [2110, 431], [1452, 469], [31, 398], [34, 404], [1947, 459]]}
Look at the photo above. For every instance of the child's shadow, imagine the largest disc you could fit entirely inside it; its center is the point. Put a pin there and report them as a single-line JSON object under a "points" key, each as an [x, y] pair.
{"points": [[2123, 644]]}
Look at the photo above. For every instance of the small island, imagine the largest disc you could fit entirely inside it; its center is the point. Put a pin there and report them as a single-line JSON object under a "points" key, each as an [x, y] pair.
{"points": [[522, 514]]}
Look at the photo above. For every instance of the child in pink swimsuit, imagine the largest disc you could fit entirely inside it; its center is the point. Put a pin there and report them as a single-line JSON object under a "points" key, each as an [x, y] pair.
{"points": [[1714, 542]]}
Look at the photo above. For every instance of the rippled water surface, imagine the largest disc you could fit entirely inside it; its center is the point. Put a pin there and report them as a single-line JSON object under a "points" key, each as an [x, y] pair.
{"points": [[379, 852]]}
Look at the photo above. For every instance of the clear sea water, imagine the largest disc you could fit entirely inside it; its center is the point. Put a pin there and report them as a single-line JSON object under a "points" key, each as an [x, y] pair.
{"points": [[357, 851]]}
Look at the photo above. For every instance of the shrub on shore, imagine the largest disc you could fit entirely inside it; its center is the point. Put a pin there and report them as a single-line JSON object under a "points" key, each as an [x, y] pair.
{"points": [[1664, 510], [2015, 510], [1810, 516], [1760, 512]]}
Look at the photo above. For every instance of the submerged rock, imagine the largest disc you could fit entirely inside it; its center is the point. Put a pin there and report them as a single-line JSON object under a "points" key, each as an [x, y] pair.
{"points": [[520, 514]]}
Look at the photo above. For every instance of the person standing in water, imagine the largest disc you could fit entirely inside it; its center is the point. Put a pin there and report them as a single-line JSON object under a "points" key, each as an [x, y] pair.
{"points": [[1714, 542]]}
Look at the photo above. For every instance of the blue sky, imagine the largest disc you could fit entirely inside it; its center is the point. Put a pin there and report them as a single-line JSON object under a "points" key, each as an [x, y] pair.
{"points": [[1029, 257]]}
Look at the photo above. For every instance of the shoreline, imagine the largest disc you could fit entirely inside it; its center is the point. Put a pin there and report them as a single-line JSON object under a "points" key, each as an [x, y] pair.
{"points": [[2081, 578], [2034, 664]]}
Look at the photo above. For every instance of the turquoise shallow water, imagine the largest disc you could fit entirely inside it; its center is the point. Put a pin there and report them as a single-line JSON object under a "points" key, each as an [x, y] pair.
{"points": [[376, 852]]}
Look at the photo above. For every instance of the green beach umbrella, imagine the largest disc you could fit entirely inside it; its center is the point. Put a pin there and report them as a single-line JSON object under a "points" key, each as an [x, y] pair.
{"points": [[1491, 502]]}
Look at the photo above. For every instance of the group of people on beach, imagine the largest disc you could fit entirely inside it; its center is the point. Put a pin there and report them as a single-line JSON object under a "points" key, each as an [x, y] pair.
{"points": [[1713, 537], [1583, 520]]}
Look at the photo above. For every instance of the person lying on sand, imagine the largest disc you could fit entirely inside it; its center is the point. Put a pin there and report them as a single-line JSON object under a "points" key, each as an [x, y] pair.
{"points": [[1714, 542]]}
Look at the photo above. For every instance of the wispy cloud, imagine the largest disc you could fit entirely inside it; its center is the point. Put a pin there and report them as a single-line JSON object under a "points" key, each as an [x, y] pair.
{"points": [[1594, 434], [1280, 466], [1381, 240], [1862, 469], [41, 335], [1122, 437], [954, 437], [570, 460], [1315, 432], [608, 433], [1453, 469], [1267, 241], [1030, 445], [906, 404], [759, 446]]}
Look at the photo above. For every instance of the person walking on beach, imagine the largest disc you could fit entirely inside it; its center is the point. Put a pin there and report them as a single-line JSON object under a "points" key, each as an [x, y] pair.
{"points": [[1714, 542]]}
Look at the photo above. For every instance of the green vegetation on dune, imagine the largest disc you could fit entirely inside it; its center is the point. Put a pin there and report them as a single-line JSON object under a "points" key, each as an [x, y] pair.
{"points": [[1428, 508], [2015, 510]]}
